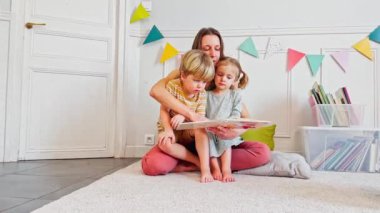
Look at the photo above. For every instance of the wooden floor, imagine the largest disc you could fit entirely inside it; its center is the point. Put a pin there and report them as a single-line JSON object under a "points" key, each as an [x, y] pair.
{"points": [[28, 185]]}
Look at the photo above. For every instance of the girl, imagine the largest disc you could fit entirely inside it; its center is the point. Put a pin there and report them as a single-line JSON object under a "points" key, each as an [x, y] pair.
{"points": [[224, 101]]}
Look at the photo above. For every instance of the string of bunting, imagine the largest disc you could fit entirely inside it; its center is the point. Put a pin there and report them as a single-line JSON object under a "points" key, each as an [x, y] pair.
{"points": [[341, 57], [248, 46]]}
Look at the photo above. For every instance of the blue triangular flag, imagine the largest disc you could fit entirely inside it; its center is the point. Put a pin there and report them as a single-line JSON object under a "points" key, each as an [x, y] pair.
{"points": [[315, 62], [249, 47], [375, 35], [153, 35]]}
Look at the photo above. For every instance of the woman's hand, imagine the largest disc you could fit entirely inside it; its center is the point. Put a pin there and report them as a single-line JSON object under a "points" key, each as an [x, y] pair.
{"points": [[225, 132], [176, 120], [166, 136]]}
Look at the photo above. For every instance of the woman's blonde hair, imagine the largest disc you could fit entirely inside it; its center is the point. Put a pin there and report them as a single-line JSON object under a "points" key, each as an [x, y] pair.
{"points": [[199, 64], [240, 76]]}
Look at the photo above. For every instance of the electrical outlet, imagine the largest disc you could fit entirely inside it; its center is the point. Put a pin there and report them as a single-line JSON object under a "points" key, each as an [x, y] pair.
{"points": [[149, 139]]}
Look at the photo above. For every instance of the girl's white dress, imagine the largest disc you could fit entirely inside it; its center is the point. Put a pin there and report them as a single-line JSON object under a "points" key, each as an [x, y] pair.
{"points": [[223, 106]]}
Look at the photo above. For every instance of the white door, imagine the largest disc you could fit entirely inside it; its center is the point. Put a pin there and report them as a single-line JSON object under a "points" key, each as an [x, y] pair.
{"points": [[5, 20], [68, 89]]}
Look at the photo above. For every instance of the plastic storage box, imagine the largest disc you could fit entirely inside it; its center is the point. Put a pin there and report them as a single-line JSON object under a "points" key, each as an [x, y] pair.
{"points": [[338, 115], [341, 149]]}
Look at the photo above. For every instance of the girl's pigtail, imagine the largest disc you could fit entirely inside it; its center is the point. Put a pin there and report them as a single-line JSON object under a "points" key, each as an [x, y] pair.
{"points": [[243, 80]]}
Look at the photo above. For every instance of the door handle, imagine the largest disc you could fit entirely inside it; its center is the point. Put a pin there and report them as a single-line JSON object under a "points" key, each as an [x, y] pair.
{"points": [[29, 25]]}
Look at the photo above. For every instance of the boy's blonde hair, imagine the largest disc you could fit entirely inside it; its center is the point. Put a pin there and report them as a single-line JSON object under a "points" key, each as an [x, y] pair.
{"points": [[198, 64]]}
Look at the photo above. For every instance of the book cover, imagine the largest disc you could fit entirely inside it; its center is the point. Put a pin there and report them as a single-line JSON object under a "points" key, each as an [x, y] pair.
{"points": [[363, 155], [340, 147], [316, 96], [318, 161], [230, 123], [323, 94], [319, 110], [343, 96], [354, 144], [350, 161], [341, 115], [346, 95]]}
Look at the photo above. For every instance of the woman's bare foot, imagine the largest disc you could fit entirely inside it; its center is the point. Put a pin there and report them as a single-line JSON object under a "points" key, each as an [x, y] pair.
{"points": [[217, 174], [228, 177], [206, 177]]}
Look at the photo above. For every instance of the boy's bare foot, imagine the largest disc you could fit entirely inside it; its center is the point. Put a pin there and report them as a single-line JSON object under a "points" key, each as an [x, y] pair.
{"points": [[217, 174], [228, 177], [206, 177]]}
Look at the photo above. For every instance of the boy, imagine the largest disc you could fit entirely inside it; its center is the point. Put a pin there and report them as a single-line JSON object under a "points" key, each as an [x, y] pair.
{"points": [[196, 70]]}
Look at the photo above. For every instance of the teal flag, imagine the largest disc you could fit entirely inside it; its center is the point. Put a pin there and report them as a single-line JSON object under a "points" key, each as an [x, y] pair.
{"points": [[153, 35], [249, 47], [315, 62], [375, 35]]}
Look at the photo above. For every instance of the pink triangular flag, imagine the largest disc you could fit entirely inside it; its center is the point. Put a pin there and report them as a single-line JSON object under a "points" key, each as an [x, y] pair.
{"points": [[293, 58], [342, 59]]}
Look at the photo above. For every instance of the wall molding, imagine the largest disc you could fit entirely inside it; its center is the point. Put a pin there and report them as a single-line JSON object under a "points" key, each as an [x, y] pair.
{"points": [[5, 16], [79, 149], [377, 89], [15, 61], [62, 154], [76, 21], [76, 36], [69, 72], [7, 21], [27, 153], [140, 33]]}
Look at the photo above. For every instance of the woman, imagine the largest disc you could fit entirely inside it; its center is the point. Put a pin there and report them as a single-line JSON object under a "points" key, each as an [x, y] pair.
{"points": [[244, 156]]}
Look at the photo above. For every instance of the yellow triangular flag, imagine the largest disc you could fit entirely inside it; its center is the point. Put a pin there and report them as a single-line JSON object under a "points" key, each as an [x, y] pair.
{"points": [[169, 52], [139, 13], [364, 47]]}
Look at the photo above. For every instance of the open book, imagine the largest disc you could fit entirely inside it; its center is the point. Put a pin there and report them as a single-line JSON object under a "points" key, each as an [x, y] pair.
{"points": [[241, 123]]}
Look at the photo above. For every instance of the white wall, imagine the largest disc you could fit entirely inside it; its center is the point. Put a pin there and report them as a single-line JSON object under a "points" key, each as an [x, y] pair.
{"points": [[312, 27], [243, 14]]}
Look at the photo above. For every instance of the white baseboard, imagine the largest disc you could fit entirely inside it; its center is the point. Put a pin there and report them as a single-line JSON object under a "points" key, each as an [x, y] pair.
{"points": [[136, 151]]}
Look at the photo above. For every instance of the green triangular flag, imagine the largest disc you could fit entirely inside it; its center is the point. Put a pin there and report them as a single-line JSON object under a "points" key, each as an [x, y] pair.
{"points": [[153, 35], [249, 47], [139, 13], [375, 35], [315, 62]]}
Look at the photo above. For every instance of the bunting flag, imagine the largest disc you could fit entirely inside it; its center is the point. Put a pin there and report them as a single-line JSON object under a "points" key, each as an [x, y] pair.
{"points": [[315, 62], [375, 35], [153, 35], [293, 58], [364, 47], [273, 45], [139, 13], [169, 52], [249, 47], [342, 59]]}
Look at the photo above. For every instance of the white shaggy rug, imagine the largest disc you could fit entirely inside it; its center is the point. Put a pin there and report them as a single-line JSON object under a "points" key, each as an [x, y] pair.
{"points": [[128, 190]]}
